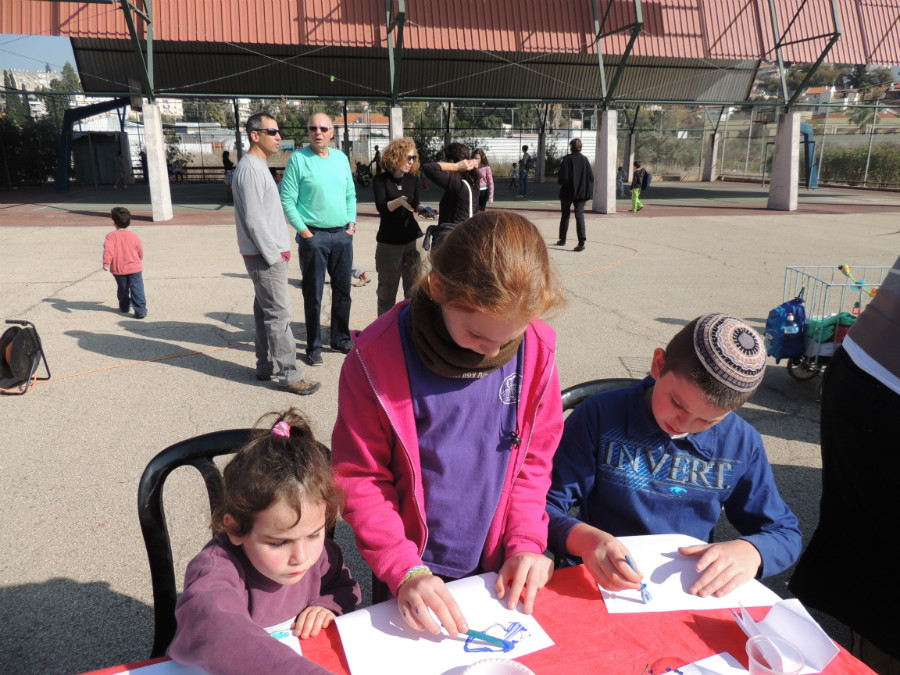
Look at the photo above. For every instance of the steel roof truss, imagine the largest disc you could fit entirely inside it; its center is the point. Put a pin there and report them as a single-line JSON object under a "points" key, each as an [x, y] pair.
{"points": [[608, 93], [395, 25], [145, 63]]}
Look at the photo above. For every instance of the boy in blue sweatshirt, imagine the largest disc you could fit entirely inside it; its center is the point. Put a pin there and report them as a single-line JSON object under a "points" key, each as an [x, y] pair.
{"points": [[667, 456]]}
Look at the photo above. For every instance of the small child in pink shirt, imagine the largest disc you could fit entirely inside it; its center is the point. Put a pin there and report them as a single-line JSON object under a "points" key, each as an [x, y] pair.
{"points": [[122, 255]]}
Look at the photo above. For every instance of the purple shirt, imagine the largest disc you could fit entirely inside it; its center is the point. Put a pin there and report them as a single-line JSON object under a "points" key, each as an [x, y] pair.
{"points": [[227, 607], [465, 429]]}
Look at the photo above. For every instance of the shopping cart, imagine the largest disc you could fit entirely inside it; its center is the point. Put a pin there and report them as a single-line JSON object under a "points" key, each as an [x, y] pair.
{"points": [[834, 297]]}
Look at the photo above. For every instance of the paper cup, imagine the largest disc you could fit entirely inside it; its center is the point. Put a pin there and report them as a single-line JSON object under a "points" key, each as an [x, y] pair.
{"points": [[497, 667], [773, 655]]}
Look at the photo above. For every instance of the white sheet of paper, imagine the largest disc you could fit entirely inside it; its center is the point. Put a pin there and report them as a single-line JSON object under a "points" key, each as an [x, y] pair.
{"points": [[720, 664], [669, 576], [166, 668], [377, 640], [790, 620]]}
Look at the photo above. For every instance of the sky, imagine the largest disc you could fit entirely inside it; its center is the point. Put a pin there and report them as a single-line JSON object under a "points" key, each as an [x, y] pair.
{"points": [[31, 52]]}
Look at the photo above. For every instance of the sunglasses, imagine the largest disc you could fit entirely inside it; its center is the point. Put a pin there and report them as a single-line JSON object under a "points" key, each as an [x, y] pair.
{"points": [[411, 158], [313, 128], [271, 132]]}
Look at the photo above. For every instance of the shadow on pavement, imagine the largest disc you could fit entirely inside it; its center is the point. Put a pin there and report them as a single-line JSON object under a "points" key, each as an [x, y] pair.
{"points": [[84, 626]]}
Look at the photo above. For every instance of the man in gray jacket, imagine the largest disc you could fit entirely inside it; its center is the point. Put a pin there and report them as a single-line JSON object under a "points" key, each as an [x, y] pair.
{"points": [[264, 243]]}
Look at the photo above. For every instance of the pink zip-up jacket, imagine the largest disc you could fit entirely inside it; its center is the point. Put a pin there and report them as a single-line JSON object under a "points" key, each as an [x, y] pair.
{"points": [[375, 453]]}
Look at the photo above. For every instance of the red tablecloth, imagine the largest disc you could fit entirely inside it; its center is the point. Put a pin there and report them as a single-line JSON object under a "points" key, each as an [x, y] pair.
{"points": [[589, 639]]}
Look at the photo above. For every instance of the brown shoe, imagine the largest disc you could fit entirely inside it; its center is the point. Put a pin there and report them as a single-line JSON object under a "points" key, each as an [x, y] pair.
{"points": [[364, 279], [301, 387]]}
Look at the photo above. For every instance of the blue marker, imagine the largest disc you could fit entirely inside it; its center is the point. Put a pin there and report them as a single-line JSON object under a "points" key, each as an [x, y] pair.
{"points": [[645, 594], [506, 645]]}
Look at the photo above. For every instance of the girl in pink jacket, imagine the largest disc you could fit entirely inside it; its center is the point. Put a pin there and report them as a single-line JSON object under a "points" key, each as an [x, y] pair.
{"points": [[448, 417]]}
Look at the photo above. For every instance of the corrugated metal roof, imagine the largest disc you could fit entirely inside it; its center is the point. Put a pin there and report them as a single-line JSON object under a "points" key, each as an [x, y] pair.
{"points": [[465, 49], [730, 29]]}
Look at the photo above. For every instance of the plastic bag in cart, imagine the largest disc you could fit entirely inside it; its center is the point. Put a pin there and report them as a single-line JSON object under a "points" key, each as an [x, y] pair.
{"points": [[780, 345]]}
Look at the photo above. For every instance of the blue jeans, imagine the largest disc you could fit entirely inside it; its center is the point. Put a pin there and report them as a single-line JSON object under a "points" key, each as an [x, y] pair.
{"points": [[523, 182], [331, 251], [276, 348], [130, 291]]}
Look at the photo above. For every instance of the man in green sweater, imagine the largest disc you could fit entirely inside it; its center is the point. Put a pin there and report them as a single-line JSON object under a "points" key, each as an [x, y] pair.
{"points": [[319, 200]]}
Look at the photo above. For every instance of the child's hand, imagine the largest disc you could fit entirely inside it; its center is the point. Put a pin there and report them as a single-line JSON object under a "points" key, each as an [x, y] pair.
{"points": [[724, 566], [311, 620], [604, 556], [419, 594], [523, 571]]}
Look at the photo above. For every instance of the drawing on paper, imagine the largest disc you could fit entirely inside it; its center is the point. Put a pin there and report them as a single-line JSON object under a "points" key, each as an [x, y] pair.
{"points": [[513, 632]]}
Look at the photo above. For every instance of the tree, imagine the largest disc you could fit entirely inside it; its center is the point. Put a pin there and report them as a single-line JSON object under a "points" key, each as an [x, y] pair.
{"points": [[16, 103], [70, 78], [56, 103], [876, 77]]}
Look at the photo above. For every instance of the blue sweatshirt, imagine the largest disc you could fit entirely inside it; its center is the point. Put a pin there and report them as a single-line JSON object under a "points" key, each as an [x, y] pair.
{"points": [[631, 478]]}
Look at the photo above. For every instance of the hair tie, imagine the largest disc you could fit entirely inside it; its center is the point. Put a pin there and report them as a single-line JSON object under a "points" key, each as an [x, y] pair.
{"points": [[281, 429]]}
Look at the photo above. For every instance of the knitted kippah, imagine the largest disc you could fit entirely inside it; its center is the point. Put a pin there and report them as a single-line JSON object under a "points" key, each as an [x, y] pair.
{"points": [[730, 351]]}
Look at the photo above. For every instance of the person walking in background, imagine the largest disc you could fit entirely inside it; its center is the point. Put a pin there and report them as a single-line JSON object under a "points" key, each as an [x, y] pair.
{"points": [[637, 182], [319, 199], [143, 157], [376, 162], [860, 464], [264, 243], [577, 179], [397, 251], [620, 182], [514, 176], [486, 180], [525, 164], [123, 254], [121, 168]]}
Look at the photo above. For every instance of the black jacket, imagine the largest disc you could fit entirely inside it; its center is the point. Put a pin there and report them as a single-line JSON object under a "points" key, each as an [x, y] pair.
{"points": [[576, 177]]}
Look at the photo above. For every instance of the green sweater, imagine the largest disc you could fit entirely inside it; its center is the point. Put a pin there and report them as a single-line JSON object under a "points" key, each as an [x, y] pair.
{"points": [[318, 191]]}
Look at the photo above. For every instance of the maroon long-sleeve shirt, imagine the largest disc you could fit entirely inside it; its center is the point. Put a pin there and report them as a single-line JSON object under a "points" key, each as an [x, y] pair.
{"points": [[227, 606]]}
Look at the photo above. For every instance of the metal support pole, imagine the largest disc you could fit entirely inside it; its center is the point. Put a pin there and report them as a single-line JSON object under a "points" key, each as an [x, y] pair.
{"points": [[700, 154], [724, 141], [238, 143], [776, 33], [822, 149], [662, 114], [749, 136], [871, 138], [346, 132]]}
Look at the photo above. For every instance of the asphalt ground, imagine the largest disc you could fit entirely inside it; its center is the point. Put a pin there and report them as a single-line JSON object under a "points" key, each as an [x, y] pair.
{"points": [[74, 582]]}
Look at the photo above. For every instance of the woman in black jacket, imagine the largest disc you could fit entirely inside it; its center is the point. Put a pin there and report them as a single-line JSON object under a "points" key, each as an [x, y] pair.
{"points": [[397, 253], [458, 175]]}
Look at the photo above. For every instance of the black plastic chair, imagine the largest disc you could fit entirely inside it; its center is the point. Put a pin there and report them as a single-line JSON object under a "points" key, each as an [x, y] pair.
{"points": [[574, 395], [199, 453]]}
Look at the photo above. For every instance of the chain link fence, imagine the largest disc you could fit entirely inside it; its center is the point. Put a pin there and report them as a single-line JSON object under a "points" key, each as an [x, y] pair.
{"points": [[854, 146]]}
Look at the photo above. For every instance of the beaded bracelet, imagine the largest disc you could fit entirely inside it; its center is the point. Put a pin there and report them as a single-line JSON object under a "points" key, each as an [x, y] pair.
{"points": [[416, 571]]}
